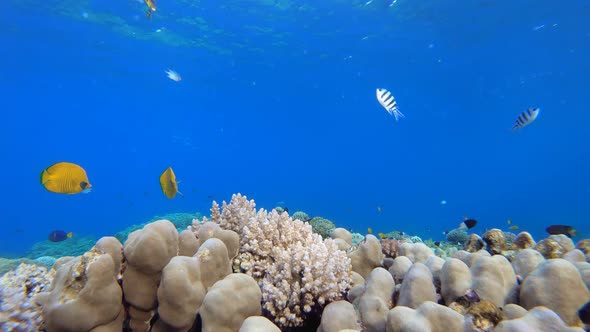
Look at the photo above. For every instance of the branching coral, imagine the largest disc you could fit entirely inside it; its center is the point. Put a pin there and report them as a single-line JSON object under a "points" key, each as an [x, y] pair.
{"points": [[298, 272]]}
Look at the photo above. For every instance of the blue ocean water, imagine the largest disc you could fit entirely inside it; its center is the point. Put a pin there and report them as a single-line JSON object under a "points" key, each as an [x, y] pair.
{"points": [[278, 102]]}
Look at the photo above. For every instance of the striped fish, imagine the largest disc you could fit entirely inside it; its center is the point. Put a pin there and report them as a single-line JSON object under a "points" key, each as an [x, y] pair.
{"points": [[387, 100], [65, 178], [525, 118]]}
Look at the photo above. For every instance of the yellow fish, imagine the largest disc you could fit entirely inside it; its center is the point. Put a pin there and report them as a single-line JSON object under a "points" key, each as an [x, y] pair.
{"points": [[513, 227], [168, 183], [151, 7], [65, 178], [370, 230], [382, 236]]}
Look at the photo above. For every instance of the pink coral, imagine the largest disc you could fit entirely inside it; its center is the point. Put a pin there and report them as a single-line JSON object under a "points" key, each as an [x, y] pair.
{"points": [[297, 271]]}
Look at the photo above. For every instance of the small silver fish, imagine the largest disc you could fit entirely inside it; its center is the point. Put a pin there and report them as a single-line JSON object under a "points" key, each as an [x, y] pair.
{"points": [[173, 75], [387, 100], [525, 118]]}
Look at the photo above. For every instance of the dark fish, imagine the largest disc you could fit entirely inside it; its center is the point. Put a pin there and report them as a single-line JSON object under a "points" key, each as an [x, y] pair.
{"points": [[584, 313], [470, 223], [437, 243], [569, 231], [59, 235]]}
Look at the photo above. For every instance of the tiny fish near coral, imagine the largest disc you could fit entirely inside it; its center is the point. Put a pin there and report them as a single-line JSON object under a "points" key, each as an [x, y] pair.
{"points": [[561, 229], [59, 235]]}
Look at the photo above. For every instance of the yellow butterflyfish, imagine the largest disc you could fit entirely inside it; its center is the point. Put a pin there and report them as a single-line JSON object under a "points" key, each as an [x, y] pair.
{"points": [[169, 184], [65, 178]]}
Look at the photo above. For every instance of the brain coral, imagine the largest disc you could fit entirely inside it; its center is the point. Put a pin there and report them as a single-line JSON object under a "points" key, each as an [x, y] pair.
{"points": [[298, 272]]}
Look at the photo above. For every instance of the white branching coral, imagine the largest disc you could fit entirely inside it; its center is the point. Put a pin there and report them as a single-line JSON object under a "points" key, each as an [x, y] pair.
{"points": [[298, 272]]}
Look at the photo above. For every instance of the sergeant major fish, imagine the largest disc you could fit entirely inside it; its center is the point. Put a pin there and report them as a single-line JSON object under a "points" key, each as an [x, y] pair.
{"points": [[151, 7], [387, 100], [525, 118]]}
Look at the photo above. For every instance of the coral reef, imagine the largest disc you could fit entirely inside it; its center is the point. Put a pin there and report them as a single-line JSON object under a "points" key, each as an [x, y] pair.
{"points": [[227, 272], [74, 246], [87, 291], [7, 264]]}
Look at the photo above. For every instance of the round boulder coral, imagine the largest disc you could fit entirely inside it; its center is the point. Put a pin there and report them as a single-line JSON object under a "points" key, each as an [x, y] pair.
{"points": [[322, 226], [300, 215], [494, 238], [457, 236]]}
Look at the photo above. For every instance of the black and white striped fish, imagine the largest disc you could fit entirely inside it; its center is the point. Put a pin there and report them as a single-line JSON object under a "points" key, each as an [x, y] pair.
{"points": [[525, 118], [387, 100]]}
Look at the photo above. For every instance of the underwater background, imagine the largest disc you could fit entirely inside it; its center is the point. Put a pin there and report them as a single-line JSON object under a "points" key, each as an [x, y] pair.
{"points": [[277, 101]]}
